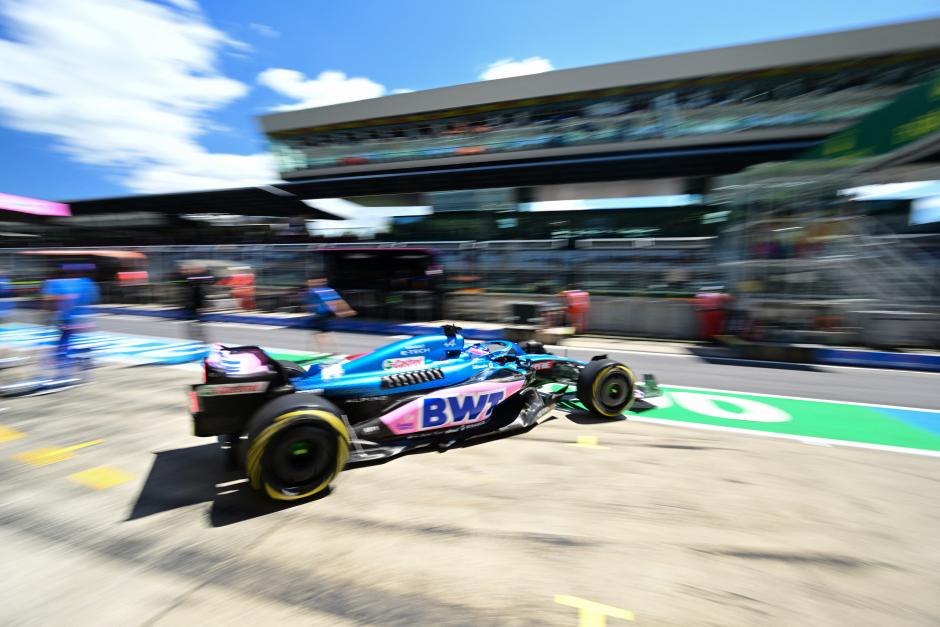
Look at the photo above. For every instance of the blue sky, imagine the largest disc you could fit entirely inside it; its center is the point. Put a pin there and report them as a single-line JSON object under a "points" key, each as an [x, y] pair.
{"points": [[113, 97]]}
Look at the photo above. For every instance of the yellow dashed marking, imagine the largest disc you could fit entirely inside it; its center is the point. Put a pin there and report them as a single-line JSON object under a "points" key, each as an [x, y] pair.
{"points": [[46, 456], [8, 435], [591, 614], [101, 477], [586, 441]]}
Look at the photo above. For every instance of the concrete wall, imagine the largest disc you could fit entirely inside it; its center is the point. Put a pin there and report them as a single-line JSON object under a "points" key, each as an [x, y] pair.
{"points": [[649, 317], [900, 329]]}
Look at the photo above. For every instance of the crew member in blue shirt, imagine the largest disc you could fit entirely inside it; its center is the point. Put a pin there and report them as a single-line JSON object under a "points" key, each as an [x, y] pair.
{"points": [[67, 300], [323, 303]]}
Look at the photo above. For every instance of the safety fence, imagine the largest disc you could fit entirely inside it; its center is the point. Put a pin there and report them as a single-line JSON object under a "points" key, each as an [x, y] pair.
{"points": [[620, 267]]}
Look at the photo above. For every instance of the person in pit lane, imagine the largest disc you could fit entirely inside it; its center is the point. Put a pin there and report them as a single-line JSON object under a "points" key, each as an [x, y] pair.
{"points": [[324, 303], [67, 299]]}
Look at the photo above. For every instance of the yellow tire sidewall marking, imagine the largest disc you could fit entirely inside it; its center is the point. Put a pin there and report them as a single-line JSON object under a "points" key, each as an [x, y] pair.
{"points": [[257, 446], [600, 376]]}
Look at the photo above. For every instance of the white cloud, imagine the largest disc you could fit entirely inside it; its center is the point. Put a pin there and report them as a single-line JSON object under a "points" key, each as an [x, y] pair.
{"points": [[189, 5], [264, 30], [329, 87], [205, 170], [125, 84], [506, 68], [402, 90]]}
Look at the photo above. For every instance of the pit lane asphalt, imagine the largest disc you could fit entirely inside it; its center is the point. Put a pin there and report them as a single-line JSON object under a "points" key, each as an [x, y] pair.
{"points": [[678, 526], [859, 385]]}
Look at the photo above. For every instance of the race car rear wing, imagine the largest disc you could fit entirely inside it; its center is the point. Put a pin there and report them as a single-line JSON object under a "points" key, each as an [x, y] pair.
{"points": [[238, 380]]}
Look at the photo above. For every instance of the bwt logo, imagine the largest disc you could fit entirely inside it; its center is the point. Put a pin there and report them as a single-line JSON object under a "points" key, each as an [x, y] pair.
{"points": [[438, 412]]}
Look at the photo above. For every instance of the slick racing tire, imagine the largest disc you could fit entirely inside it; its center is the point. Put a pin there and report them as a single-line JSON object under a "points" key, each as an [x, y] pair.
{"points": [[296, 446], [605, 387]]}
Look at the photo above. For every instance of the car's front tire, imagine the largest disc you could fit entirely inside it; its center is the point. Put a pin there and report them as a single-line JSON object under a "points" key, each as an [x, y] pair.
{"points": [[606, 387], [296, 446]]}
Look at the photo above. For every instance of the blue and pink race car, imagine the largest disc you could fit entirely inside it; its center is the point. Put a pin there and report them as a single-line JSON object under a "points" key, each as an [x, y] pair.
{"points": [[293, 429]]}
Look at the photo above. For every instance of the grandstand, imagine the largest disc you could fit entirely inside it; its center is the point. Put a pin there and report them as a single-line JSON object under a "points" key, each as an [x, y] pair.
{"points": [[786, 92]]}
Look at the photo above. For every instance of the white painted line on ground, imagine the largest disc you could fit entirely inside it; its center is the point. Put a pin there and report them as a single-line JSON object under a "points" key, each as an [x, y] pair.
{"points": [[211, 324], [745, 362], [736, 360], [193, 366], [183, 340], [786, 436], [119, 317], [799, 398], [610, 349], [246, 325], [196, 367], [601, 349]]}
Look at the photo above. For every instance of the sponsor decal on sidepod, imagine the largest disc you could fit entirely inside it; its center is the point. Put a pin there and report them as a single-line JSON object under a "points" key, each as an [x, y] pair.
{"points": [[442, 412], [464, 405], [400, 363]]}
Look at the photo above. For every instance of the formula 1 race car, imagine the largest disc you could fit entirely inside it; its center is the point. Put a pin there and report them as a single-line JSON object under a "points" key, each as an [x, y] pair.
{"points": [[294, 428]]}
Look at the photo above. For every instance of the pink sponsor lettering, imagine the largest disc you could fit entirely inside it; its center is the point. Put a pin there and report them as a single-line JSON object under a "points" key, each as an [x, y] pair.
{"points": [[462, 405]]}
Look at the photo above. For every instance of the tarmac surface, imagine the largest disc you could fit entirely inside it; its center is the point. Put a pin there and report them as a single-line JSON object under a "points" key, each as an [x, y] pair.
{"points": [[676, 363], [114, 514]]}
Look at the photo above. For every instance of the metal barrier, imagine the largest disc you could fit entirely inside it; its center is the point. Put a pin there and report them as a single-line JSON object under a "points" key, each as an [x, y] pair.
{"points": [[629, 266]]}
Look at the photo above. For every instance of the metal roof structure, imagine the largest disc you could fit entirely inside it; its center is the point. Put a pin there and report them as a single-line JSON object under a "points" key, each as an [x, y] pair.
{"points": [[892, 39], [266, 200]]}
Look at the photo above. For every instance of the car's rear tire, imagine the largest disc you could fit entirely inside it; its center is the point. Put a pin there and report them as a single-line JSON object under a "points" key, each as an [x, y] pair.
{"points": [[296, 446], [606, 387]]}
